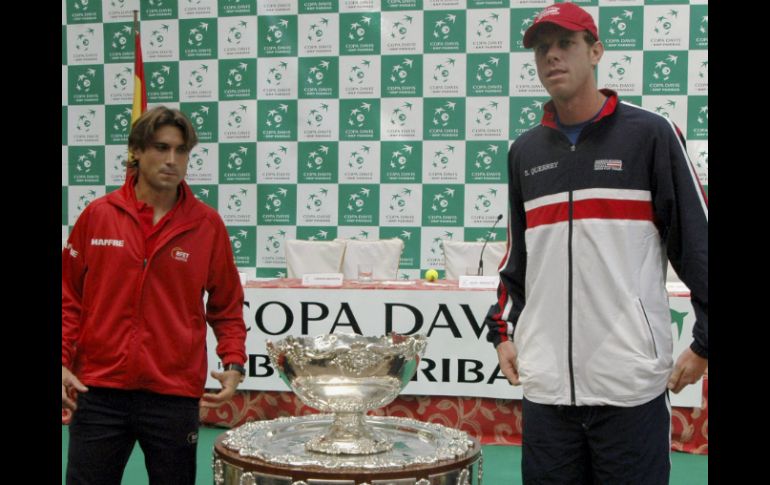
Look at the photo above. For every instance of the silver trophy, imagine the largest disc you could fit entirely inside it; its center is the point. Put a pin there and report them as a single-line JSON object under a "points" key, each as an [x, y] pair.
{"points": [[347, 375]]}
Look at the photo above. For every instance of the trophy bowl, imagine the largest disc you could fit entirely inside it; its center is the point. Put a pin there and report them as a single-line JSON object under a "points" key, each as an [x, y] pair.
{"points": [[347, 375]]}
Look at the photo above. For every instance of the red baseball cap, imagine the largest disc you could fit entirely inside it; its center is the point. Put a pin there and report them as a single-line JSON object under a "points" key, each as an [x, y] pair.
{"points": [[566, 15]]}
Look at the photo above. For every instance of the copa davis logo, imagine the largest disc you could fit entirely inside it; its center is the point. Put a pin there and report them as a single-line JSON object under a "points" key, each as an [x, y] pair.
{"points": [[529, 115], [359, 164], [84, 45], [237, 79], [82, 11], [488, 34], [179, 254], [665, 28], [237, 205], [161, 43], [446, 76], [315, 160], [202, 119], [275, 162], [276, 120], [362, 33], [242, 246], [276, 205], [120, 124], [275, 79], [483, 202], [448, 31], [316, 31], [318, 121], [236, 119], [400, 123], [197, 160], [622, 27], [361, 119], [278, 35], [315, 201], [435, 257], [274, 244], [85, 198], [485, 158], [236, 159], [318, 79], [398, 33], [442, 160], [359, 205], [486, 121], [400, 76], [442, 205], [87, 82], [123, 79], [198, 77], [85, 122], [442, 200], [399, 158], [398, 201], [320, 35], [238, 38], [235, 202], [488, 76], [271, 259], [666, 72], [446, 121], [200, 43]]}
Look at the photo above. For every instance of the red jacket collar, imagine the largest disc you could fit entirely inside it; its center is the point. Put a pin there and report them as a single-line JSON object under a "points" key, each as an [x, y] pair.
{"points": [[125, 197], [549, 112]]}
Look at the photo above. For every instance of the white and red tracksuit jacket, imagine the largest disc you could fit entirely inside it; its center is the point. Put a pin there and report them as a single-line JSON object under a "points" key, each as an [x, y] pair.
{"points": [[582, 288], [135, 323]]}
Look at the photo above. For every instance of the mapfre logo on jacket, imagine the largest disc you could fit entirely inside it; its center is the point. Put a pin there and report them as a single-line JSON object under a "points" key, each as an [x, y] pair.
{"points": [[179, 254], [116, 243]]}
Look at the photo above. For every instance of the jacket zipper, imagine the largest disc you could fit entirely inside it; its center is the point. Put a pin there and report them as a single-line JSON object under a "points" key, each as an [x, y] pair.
{"points": [[569, 308]]}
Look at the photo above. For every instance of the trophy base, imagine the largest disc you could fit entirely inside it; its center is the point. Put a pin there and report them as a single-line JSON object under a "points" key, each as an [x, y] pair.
{"points": [[358, 446], [274, 453]]}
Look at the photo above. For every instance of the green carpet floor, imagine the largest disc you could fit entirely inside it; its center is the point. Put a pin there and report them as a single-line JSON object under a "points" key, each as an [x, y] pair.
{"points": [[501, 463]]}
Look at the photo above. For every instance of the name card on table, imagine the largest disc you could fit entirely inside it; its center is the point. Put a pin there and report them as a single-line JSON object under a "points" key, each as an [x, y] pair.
{"points": [[479, 281], [322, 279]]}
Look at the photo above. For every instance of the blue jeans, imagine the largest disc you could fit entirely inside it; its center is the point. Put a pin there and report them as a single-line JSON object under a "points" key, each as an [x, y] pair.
{"points": [[582, 445], [108, 422]]}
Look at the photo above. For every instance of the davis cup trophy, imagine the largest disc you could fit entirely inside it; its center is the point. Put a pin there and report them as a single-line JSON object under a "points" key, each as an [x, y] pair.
{"points": [[346, 375]]}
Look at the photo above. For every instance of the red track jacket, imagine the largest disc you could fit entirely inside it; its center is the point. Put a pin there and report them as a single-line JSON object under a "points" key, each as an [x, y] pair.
{"points": [[131, 323]]}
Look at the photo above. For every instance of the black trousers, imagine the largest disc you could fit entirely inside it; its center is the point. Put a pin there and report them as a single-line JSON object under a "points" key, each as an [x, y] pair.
{"points": [[108, 422], [579, 445]]}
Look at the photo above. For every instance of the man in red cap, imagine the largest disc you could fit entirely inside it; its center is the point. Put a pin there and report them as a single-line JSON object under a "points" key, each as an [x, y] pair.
{"points": [[601, 193]]}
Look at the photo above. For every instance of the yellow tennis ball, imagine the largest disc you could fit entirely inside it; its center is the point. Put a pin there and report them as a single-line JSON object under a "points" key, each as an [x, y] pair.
{"points": [[431, 275]]}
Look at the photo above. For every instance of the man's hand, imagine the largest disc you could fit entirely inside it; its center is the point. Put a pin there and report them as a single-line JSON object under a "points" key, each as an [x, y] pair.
{"points": [[70, 386], [506, 355], [688, 369], [230, 380]]}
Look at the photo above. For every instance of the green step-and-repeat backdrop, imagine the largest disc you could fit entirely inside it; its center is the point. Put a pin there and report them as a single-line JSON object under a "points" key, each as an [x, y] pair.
{"points": [[360, 119]]}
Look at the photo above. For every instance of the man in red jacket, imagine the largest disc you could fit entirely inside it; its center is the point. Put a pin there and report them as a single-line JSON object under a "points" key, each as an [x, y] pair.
{"points": [[134, 273]]}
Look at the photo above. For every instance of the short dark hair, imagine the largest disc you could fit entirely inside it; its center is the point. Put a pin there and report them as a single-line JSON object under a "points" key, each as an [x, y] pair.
{"points": [[143, 131]]}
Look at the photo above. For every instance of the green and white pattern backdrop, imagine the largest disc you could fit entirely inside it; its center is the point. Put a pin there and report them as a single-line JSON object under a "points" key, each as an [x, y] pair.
{"points": [[359, 119]]}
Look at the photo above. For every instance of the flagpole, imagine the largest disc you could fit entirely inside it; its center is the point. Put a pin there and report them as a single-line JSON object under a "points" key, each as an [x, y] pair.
{"points": [[139, 104]]}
